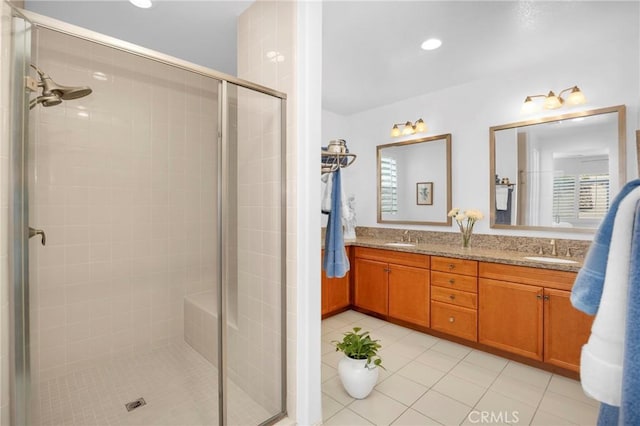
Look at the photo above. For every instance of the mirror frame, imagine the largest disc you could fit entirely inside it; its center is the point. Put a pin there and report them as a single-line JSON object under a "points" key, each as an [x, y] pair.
{"points": [[447, 138], [622, 160]]}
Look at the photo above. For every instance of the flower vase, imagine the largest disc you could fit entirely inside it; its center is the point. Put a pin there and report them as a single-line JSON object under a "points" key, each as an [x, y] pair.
{"points": [[466, 240]]}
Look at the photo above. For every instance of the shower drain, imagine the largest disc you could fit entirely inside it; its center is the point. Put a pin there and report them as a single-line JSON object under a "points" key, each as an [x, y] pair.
{"points": [[135, 404]]}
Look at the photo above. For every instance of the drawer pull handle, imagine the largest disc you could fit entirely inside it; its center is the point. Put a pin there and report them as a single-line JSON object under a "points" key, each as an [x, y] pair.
{"points": [[452, 319], [539, 296], [452, 266], [452, 281], [452, 296]]}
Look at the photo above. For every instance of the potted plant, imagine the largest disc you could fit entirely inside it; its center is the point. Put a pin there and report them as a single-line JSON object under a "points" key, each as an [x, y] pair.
{"points": [[358, 370]]}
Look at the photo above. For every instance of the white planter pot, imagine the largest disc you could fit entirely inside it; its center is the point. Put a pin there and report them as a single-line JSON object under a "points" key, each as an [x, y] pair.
{"points": [[357, 379]]}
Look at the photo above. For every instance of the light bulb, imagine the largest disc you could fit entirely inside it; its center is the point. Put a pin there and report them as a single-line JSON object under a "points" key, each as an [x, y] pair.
{"points": [[395, 131], [576, 97], [421, 127], [552, 101], [408, 129], [529, 106]]}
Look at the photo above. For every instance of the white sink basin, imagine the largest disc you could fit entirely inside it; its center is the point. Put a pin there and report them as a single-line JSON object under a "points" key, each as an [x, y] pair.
{"points": [[400, 244], [549, 259]]}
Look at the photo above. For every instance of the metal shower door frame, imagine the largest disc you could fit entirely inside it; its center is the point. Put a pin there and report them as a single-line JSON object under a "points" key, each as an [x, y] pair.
{"points": [[20, 375], [20, 392]]}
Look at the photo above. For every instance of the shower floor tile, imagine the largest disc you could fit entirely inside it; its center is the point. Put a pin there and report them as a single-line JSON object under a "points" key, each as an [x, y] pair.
{"points": [[179, 386]]}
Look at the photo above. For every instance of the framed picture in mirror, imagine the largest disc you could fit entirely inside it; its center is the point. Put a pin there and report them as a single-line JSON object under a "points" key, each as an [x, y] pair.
{"points": [[424, 193]]}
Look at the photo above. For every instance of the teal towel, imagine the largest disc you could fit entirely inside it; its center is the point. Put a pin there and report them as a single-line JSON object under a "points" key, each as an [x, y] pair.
{"points": [[335, 262], [587, 289]]}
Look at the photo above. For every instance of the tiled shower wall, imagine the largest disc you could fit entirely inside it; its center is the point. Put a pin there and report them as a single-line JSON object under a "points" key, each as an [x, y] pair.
{"points": [[266, 55], [265, 28], [125, 188]]}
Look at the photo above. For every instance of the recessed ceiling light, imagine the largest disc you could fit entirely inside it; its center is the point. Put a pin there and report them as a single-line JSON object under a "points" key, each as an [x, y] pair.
{"points": [[143, 4], [431, 44]]}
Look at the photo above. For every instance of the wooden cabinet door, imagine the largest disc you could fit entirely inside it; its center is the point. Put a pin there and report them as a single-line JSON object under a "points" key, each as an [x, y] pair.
{"points": [[565, 330], [409, 294], [325, 293], [510, 317], [337, 293], [371, 285]]}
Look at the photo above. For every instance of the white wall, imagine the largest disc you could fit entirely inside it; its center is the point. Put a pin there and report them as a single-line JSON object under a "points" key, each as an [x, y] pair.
{"points": [[467, 111]]}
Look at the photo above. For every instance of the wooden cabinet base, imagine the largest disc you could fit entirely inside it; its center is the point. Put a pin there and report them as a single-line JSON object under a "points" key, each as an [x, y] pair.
{"points": [[473, 345]]}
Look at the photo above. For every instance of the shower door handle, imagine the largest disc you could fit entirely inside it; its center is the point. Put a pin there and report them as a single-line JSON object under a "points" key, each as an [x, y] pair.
{"points": [[33, 232]]}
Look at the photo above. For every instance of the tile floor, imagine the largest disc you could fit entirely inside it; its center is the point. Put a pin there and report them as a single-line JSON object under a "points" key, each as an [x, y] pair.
{"points": [[179, 386], [431, 381]]}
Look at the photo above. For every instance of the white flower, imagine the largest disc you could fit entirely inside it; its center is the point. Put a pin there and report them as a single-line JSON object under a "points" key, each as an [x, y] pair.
{"points": [[453, 212], [460, 217], [474, 214]]}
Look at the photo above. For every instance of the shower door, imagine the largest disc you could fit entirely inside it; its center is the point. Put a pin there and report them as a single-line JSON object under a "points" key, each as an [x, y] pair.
{"points": [[159, 295], [124, 184], [15, 374], [253, 237]]}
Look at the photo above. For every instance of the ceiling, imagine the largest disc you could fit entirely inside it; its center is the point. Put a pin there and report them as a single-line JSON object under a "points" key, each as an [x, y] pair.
{"points": [[372, 55], [202, 32]]}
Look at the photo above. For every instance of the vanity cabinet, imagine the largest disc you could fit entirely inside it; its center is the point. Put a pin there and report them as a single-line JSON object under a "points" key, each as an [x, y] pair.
{"points": [[454, 297], [527, 311], [371, 285], [393, 284], [565, 330], [335, 292]]}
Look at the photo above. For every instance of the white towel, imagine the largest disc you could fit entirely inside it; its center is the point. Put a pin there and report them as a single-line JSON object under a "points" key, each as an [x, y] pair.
{"points": [[327, 182], [602, 356], [502, 195]]}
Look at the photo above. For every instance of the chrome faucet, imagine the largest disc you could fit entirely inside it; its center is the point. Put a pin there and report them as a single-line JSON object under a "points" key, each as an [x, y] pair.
{"points": [[554, 248]]}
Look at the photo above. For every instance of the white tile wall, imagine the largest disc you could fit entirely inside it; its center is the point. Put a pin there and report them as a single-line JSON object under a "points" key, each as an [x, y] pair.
{"points": [[5, 27], [270, 26], [124, 186]]}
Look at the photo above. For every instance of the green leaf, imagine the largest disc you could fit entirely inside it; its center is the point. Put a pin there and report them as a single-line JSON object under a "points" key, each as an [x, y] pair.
{"points": [[360, 346]]}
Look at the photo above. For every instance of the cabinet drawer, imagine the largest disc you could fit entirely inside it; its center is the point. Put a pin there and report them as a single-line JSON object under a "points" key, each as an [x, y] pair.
{"points": [[457, 266], [455, 297], [461, 322], [390, 256], [454, 281], [561, 280]]}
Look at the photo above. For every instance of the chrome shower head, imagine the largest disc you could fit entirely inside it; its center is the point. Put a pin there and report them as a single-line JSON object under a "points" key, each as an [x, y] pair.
{"points": [[53, 93]]}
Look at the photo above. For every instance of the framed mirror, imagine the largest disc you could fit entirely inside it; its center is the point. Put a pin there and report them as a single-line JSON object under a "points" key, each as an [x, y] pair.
{"points": [[557, 173], [414, 181]]}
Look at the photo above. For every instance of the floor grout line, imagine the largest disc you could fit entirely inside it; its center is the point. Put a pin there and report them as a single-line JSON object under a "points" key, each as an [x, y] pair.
{"points": [[431, 388]]}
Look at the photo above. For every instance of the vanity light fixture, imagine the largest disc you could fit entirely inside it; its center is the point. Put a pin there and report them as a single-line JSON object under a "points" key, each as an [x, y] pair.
{"points": [[553, 101], [409, 128]]}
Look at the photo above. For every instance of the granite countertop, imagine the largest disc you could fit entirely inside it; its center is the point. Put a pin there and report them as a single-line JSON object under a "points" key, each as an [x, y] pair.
{"points": [[481, 254]]}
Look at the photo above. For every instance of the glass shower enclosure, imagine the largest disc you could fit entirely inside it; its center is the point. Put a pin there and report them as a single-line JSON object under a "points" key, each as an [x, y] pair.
{"points": [[148, 245]]}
